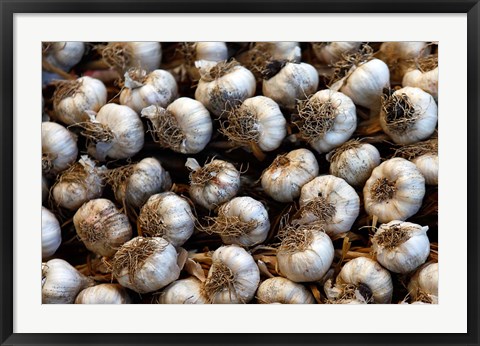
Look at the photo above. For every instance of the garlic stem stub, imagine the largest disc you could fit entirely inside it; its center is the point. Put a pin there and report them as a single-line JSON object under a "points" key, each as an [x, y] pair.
{"points": [[423, 286], [51, 233], [59, 148], [185, 291], [123, 56], [283, 291], [215, 183], [103, 294]]}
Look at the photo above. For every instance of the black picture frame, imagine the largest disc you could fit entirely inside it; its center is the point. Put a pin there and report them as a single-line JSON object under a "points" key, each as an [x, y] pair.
{"points": [[7, 176]]}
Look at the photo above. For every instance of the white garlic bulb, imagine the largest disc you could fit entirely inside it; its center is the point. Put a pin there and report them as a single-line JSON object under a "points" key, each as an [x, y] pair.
{"points": [[233, 277], [330, 200], [184, 126], [103, 294], [408, 115], [51, 233], [425, 156], [213, 184], [72, 98], [166, 215], [370, 279], [257, 123], [283, 291], [142, 90], [354, 162], [294, 81], [185, 291], [64, 55], [423, 286], [401, 246], [326, 120], [61, 282], [126, 55], [146, 264], [427, 80], [394, 191], [329, 52], [102, 227], [242, 221], [45, 189], [208, 51], [399, 56], [284, 178], [115, 131], [305, 253], [80, 183], [59, 148], [223, 85], [135, 183]]}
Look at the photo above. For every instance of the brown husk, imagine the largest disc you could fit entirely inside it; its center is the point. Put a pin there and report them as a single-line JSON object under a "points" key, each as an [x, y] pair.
{"points": [[165, 129], [47, 162], [315, 118], [65, 88], [414, 150], [241, 126], [383, 189], [189, 52], [117, 55], [400, 113]]}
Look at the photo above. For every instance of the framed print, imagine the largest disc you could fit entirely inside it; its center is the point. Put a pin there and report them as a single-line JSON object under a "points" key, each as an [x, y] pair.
{"points": [[239, 172]]}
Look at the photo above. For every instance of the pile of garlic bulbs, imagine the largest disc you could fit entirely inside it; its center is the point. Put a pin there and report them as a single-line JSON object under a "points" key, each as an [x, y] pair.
{"points": [[233, 173]]}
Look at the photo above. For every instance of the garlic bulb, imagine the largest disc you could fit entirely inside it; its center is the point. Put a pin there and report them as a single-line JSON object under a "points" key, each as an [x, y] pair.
{"points": [[184, 126], [283, 291], [146, 264], [399, 56], [354, 162], [242, 221], [51, 233], [223, 85], [427, 80], [59, 148], [330, 52], [425, 156], [103, 294], [125, 55], [284, 178], [408, 115], [73, 97], [80, 183], [115, 131], [213, 184], [141, 90], [330, 200], [401, 246], [45, 189], [135, 183], [424, 284], [61, 282], [257, 123], [102, 227], [166, 215], [292, 82], [233, 277], [363, 278], [208, 51], [64, 55], [326, 120], [305, 253], [185, 291], [394, 191]]}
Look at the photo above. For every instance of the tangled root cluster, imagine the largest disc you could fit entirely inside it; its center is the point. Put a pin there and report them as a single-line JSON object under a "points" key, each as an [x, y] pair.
{"points": [[149, 222], [320, 208], [383, 189], [351, 144], [188, 51], [297, 237], [165, 129], [221, 278], [218, 70], [315, 118], [400, 113], [414, 150], [227, 225], [393, 237], [117, 55], [348, 60], [66, 88], [241, 126], [95, 131]]}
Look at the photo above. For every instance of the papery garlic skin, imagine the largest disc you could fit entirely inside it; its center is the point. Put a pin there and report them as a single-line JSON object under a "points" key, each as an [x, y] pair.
{"points": [[136, 183], [127, 55], [65, 54], [233, 277], [283, 291], [211, 51], [310, 261], [213, 184], [157, 88], [285, 177], [427, 164], [427, 81], [331, 52], [399, 56], [146, 264], [189, 117], [394, 191], [327, 104], [59, 148], [126, 129], [185, 291], [405, 254], [103, 294], [86, 94], [51, 233], [102, 227], [61, 282], [354, 162], [82, 182], [417, 128], [225, 90], [295, 81], [368, 272], [424, 284], [167, 215], [329, 199]]}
